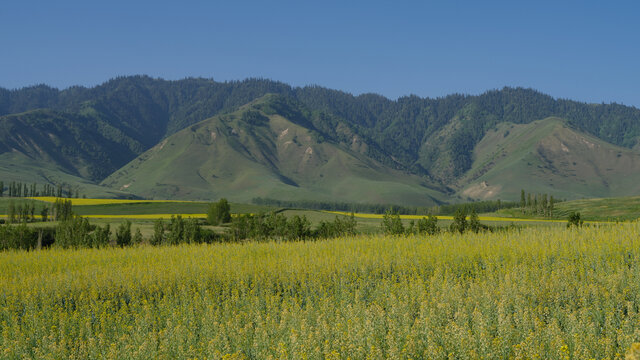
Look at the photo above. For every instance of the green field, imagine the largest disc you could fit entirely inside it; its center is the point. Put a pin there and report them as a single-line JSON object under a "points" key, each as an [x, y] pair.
{"points": [[605, 209], [547, 293]]}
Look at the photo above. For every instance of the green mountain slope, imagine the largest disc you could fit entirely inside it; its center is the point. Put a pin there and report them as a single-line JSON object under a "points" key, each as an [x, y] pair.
{"points": [[255, 152], [549, 156], [78, 145]]}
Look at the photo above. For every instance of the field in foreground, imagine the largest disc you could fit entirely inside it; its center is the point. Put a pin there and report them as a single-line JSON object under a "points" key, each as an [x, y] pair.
{"points": [[540, 292]]}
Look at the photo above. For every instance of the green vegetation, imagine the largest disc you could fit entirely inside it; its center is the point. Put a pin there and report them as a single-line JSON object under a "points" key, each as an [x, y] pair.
{"points": [[219, 213], [538, 204], [574, 220]]}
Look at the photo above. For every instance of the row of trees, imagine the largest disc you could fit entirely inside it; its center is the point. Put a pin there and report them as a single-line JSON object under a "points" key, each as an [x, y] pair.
{"points": [[23, 212], [77, 232], [19, 189], [537, 204], [342, 206], [444, 209], [392, 224], [24, 237], [279, 227]]}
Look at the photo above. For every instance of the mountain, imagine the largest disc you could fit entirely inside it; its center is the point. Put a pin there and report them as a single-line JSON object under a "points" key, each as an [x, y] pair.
{"points": [[439, 147], [257, 152]]}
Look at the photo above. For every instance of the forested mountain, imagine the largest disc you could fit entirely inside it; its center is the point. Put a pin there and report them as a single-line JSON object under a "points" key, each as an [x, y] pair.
{"points": [[91, 132]]}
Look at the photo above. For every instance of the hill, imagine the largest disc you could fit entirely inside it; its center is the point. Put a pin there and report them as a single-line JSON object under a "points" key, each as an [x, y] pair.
{"points": [[257, 152], [549, 156]]}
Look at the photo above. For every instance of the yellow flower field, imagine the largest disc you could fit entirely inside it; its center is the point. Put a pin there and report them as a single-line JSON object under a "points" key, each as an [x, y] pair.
{"points": [[534, 293]]}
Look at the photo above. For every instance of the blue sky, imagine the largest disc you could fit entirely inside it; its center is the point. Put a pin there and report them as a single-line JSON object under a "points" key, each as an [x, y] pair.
{"points": [[583, 50]]}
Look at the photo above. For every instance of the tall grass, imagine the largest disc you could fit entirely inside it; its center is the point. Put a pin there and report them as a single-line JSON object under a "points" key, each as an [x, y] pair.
{"points": [[544, 293]]}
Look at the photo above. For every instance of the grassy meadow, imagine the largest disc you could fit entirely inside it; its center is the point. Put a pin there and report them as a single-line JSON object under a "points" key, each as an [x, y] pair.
{"points": [[536, 293]]}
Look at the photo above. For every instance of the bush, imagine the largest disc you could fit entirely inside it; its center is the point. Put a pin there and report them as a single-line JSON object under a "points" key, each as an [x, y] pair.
{"points": [[574, 220]]}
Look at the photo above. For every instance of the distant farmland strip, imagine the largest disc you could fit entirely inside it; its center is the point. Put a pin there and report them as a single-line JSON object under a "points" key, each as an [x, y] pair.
{"points": [[81, 202], [446, 217]]}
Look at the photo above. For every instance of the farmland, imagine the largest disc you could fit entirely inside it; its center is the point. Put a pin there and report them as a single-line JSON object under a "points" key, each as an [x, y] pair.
{"points": [[542, 292]]}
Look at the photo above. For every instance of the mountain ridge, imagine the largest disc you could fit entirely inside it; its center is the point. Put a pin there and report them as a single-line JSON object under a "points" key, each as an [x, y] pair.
{"points": [[432, 139]]}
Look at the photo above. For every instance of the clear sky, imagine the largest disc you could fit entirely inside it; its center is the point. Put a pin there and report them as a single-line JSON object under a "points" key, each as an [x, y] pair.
{"points": [[583, 50]]}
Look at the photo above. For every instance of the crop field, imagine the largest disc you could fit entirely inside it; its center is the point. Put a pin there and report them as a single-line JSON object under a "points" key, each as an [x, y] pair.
{"points": [[446, 217], [532, 293]]}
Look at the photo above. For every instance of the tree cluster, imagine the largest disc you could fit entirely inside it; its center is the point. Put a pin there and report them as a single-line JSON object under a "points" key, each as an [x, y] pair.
{"points": [[219, 212], [180, 231], [443, 209], [23, 237], [574, 220], [276, 226], [21, 211], [537, 204], [77, 232], [19, 189], [461, 225], [392, 225]]}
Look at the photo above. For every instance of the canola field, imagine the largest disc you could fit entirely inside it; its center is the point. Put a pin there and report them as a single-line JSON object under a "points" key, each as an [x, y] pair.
{"points": [[533, 293]]}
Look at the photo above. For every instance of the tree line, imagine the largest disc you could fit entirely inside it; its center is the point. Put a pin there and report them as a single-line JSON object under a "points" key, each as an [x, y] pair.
{"points": [[74, 231], [77, 232], [20, 189], [24, 212], [392, 224], [443, 209], [276, 226]]}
